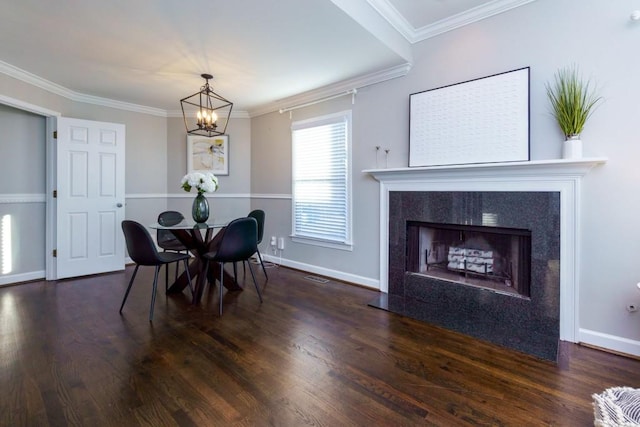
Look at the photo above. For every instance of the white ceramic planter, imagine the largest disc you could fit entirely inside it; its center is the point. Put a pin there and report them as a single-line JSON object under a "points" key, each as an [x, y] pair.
{"points": [[572, 148]]}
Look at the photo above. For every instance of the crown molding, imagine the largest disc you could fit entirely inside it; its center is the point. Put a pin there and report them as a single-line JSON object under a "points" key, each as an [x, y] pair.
{"points": [[32, 108], [32, 79], [394, 18], [413, 35], [334, 89]]}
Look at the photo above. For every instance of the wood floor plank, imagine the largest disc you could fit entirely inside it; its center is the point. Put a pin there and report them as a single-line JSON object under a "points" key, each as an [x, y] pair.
{"points": [[310, 355]]}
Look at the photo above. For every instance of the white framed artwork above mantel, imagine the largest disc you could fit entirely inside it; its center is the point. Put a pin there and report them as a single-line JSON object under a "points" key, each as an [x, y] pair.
{"points": [[562, 175]]}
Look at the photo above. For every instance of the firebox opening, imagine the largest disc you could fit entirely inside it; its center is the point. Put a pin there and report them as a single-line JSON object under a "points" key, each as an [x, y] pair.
{"points": [[495, 258]]}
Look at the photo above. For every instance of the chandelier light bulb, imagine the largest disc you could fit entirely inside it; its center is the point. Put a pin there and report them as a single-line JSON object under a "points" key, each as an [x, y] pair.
{"points": [[635, 15]]}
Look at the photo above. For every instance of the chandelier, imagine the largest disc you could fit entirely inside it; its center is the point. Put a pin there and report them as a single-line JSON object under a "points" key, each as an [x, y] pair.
{"points": [[203, 110]]}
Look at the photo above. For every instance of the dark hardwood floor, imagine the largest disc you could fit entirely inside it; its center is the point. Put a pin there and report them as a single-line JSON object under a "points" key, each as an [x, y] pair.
{"points": [[311, 354]]}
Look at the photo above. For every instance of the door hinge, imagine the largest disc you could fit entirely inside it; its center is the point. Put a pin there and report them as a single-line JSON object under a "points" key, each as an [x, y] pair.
{"points": [[55, 194], [55, 134], [55, 253]]}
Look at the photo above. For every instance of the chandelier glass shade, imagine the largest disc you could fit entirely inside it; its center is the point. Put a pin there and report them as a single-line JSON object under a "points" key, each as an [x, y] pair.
{"points": [[205, 112]]}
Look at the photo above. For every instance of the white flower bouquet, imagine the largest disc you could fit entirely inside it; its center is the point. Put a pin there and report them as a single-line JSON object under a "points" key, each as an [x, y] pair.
{"points": [[202, 182]]}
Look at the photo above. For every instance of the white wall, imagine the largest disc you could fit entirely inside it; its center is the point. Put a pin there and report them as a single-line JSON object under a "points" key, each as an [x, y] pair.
{"points": [[544, 35]]}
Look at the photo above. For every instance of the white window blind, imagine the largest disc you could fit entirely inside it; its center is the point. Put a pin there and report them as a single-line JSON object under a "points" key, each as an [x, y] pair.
{"points": [[321, 179]]}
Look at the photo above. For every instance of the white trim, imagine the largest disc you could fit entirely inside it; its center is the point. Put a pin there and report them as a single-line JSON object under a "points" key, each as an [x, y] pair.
{"points": [[42, 197], [271, 196], [351, 92], [364, 14], [334, 89], [146, 196], [346, 246], [563, 176], [339, 275], [22, 198], [32, 108], [610, 342], [413, 35], [467, 17], [50, 243], [12, 279], [37, 81], [186, 195]]}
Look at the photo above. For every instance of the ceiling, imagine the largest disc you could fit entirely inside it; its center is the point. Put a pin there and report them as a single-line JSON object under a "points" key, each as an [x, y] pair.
{"points": [[262, 54]]}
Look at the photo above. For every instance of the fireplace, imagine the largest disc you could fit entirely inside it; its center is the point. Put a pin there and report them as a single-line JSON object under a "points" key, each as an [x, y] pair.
{"points": [[484, 280], [484, 256], [477, 195]]}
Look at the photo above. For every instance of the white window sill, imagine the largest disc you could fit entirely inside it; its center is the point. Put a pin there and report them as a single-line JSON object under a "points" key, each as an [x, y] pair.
{"points": [[348, 246]]}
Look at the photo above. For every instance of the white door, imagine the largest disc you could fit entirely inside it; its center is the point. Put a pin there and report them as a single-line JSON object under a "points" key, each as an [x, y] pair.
{"points": [[90, 197]]}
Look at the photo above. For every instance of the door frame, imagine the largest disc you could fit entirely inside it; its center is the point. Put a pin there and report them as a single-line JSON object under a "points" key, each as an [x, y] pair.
{"points": [[50, 159]]}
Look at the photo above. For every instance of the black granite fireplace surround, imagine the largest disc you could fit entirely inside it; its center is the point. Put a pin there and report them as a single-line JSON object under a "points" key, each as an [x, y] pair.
{"points": [[528, 324]]}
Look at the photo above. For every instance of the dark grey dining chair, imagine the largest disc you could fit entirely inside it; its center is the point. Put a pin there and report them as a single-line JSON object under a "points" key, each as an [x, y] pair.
{"points": [[238, 243], [259, 216], [167, 240], [143, 251]]}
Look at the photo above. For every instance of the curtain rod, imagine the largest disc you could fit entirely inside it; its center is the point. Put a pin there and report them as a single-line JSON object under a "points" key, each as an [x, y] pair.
{"points": [[351, 92]]}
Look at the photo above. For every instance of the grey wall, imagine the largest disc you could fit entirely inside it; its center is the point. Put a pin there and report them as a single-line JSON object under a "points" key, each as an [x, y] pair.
{"points": [[233, 196], [22, 177], [544, 35]]}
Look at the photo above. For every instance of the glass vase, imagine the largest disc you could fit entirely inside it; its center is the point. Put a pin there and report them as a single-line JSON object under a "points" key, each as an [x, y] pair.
{"points": [[200, 209]]}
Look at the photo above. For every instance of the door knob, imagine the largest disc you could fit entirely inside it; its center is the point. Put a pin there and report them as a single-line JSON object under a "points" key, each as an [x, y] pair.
{"points": [[119, 205]]}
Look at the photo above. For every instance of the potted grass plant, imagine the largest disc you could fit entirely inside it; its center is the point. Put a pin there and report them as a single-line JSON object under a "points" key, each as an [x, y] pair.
{"points": [[573, 100]]}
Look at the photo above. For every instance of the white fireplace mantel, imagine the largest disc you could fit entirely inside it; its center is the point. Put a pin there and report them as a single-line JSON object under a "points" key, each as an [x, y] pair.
{"points": [[563, 176]]}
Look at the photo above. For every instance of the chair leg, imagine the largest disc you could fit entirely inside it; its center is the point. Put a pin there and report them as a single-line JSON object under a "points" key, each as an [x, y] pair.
{"points": [[255, 283], [186, 268], [153, 295], [126, 294], [262, 264], [166, 278], [206, 275], [177, 268], [221, 283], [235, 272]]}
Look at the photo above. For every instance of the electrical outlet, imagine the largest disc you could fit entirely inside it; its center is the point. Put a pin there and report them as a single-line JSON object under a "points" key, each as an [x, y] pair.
{"points": [[281, 243], [632, 308], [273, 240]]}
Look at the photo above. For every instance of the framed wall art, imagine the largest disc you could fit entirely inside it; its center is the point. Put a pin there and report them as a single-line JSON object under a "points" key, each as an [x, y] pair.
{"points": [[485, 120], [208, 154]]}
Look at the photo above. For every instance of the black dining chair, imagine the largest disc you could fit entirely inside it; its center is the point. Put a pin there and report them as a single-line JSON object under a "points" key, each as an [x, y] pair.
{"points": [[259, 216], [143, 251], [238, 243], [167, 240]]}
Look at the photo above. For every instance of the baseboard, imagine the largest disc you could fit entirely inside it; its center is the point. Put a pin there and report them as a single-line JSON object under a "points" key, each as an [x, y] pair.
{"points": [[12, 279], [609, 342], [339, 275]]}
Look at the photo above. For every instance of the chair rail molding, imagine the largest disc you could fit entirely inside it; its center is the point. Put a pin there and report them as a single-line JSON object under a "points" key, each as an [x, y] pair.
{"points": [[22, 198]]}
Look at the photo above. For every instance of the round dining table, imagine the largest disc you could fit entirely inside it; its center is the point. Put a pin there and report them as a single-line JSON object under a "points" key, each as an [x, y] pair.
{"points": [[198, 238]]}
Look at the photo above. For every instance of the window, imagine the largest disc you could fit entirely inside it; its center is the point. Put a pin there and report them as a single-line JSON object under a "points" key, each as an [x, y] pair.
{"points": [[322, 181]]}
